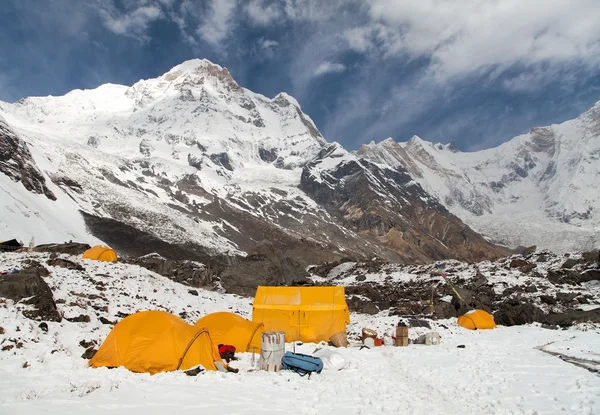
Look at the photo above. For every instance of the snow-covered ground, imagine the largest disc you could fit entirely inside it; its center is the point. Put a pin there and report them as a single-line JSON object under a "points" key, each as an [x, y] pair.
{"points": [[500, 371]]}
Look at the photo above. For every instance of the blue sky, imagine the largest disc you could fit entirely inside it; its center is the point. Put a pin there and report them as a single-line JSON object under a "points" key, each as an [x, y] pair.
{"points": [[477, 72]]}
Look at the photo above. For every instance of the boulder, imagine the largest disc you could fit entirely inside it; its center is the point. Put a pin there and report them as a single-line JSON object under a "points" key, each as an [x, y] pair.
{"points": [[29, 286], [591, 257], [570, 263], [516, 312], [258, 269], [70, 248], [518, 263], [64, 263], [359, 305], [573, 317], [529, 250], [190, 273]]}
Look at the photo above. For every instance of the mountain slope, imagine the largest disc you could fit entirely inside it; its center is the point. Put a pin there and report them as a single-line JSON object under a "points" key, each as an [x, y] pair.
{"points": [[539, 188], [191, 161]]}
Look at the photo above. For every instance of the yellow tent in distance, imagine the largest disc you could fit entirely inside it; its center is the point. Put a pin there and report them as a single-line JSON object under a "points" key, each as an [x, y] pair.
{"points": [[156, 341], [100, 253], [477, 320], [309, 314], [229, 328]]}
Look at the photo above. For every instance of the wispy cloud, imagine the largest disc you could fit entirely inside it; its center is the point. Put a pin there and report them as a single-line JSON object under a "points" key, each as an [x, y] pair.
{"points": [[216, 26], [133, 23], [329, 67]]}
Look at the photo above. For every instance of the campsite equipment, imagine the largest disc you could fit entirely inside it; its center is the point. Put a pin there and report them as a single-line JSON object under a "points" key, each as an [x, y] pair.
{"points": [[477, 320], [100, 253], [339, 339], [432, 338], [401, 336], [230, 328], [309, 314], [227, 352], [366, 333], [369, 342], [272, 351], [378, 342], [301, 363], [157, 341]]}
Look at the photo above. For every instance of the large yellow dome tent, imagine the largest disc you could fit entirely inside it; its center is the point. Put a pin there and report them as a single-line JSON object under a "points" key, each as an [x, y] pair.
{"points": [[157, 341], [100, 253], [477, 320], [229, 328]]}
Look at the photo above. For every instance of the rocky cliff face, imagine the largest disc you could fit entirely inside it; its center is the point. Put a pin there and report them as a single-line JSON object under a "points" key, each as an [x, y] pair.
{"points": [[17, 163], [387, 206]]}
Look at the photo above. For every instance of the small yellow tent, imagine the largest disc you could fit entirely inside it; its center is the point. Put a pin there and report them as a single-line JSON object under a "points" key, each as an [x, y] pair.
{"points": [[100, 253], [477, 320], [229, 328], [156, 341], [309, 314]]}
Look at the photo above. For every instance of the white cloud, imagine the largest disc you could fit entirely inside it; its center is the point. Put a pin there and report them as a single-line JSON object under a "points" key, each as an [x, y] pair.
{"points": [[134, 23], [262, 12], [329, 67], [463, 36], [217, 25]]}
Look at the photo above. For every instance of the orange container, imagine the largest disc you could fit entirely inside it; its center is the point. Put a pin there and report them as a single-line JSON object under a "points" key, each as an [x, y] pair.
{"points": [[378, 342]]}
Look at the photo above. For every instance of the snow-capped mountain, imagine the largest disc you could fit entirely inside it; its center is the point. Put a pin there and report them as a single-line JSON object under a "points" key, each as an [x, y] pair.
{"points": [[191, 164], [539, 188]]}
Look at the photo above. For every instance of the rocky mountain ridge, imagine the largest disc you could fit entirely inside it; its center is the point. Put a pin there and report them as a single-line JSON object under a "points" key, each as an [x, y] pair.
{"points": [[539, 188], [193, 166]]}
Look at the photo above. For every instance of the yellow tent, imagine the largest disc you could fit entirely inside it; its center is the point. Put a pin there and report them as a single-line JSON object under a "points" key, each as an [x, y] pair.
{"points": [[157, 341], [100, 253], [229, 328], [309, 314], [477, 320]]}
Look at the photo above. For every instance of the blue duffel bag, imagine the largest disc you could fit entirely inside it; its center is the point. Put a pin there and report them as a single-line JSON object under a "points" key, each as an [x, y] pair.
{"points": [[302, 364]]}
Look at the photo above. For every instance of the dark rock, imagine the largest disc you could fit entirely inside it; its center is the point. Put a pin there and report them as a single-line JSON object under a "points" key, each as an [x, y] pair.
{"points": [[548, 299], [70, 248], [266, 268], [589, 275], [7, 347], [193, 292], [549, 326], [529, 251], [82, 318], [43, 326], [17, 163], [89, 353], [531, 289], [542, 258], [184, 272], [122, 315], [2, 330], [359, 305], [360, 278], [29, 286], [570, 263], [86, 344], [555, 277], [104, 320], [518, 263], [591, 257], [515, 312], [573, 317], [461, 346], [65, 263], [565, 297]]}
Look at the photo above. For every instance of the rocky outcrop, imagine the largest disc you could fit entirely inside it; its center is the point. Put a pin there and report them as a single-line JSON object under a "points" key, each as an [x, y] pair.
{"points": [[29, 287], [189, 273], [70, 248], [17, 162], [266, 266]]}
